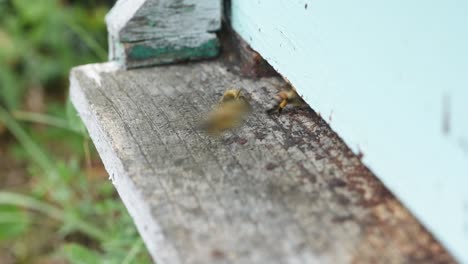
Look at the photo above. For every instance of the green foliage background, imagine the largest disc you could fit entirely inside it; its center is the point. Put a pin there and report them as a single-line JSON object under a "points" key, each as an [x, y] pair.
{"points": [[65, 210]]}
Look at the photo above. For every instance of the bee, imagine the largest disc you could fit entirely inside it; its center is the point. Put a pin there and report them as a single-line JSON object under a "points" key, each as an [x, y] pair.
{"points": [[286, 96], [230, 112], [232, 95]]}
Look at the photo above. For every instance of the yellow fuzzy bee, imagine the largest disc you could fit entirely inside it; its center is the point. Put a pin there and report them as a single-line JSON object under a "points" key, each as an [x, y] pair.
{"points": [[230, 112], [232, 95], [287, 96]]}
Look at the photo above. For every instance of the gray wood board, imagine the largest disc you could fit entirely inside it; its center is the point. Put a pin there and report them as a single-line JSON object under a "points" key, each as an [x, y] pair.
{"points": [[279, 189]]}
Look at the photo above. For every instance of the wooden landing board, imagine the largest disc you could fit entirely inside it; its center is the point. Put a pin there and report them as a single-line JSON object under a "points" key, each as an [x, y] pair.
{"points": [[280, 189]]}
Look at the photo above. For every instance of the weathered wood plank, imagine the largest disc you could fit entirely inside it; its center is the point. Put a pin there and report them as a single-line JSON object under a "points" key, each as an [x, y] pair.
{"points": [[391, 79], [279, 189], [150, 32]]}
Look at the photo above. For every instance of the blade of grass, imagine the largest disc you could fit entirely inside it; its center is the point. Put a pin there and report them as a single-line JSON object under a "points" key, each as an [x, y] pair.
{"points": [[33, 149], [100, 52], [8, 218], [40, 157], [44, 119], [87, 153], [9, 198], [136, 248]]}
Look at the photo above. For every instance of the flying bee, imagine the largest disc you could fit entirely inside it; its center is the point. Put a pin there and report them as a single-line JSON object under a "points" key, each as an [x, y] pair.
{"points": [[230, 112], [232, 95], [287, 96]]}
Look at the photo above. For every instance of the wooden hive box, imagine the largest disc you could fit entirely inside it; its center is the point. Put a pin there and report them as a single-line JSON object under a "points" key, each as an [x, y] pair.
{"points": [[278, 189]]}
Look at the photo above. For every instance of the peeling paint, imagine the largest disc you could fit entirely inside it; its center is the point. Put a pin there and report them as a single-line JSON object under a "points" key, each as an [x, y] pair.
{"points": [[144, 52], [174, 31], [94, 72]]}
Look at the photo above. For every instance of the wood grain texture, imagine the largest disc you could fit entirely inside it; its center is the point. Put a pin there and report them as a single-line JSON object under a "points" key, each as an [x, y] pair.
{"points": [[151, 32], [279, 189]]}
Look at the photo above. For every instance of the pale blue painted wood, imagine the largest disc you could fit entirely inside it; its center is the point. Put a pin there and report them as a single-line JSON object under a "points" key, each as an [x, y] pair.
{"points": [[392, 79]]}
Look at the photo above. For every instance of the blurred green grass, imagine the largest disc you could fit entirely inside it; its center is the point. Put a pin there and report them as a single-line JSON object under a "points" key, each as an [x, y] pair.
{"points": [[64, 209]]}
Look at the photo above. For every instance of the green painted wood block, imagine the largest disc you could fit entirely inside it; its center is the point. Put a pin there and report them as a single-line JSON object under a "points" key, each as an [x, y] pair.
{"points": [[151, 32]]}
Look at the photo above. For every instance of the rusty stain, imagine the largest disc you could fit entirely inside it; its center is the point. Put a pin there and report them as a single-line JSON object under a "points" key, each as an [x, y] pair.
{"points": [[236, 139], [344, 218], [360, 154], [342, 199], [371, 190], [306, 175], [271, 166], [241, 141], [388, 218], [336, 183], [292, 141], [218, 254]]}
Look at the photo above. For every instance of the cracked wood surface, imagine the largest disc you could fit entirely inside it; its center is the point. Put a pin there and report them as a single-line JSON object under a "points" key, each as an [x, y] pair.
{"points": [[279, 189]]}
